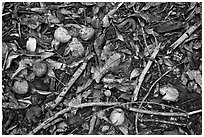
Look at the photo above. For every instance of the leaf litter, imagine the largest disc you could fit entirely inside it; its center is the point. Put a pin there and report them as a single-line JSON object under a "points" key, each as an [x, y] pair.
{"points": [[68, 66]]}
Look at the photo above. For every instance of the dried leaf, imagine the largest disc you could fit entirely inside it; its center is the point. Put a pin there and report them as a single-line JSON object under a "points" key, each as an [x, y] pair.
{"points": [[113, 61], [75, 101], [135, 73], [150, 4], [22, 65], [106, 21], [195, 75], [76, 47], [10, 58], [170, 93]]}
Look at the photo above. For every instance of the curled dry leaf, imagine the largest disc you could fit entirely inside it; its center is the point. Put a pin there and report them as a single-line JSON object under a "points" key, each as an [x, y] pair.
{"points": [[117, 117], [31, 44], [135, 73], [170, 93], [76, 47], [86, 33], [62, 35]]}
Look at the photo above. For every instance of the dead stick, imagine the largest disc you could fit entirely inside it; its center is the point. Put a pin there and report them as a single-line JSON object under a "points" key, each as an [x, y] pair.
{"points": [[64, 91], [172, 114], [144, 72], [184, 37], [47, 121], [163, 121]]}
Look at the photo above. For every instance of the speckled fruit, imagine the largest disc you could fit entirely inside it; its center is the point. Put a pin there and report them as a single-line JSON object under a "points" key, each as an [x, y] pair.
{"points": [[39, 68], [86, 33], [20, 86], [117, 117], [62, 35]]}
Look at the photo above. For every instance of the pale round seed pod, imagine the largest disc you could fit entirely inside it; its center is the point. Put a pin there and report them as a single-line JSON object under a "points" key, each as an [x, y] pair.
{"points": [[86, 33], [117, 117], [40, 68], [107, 93], [20, 86], [62, 35]]}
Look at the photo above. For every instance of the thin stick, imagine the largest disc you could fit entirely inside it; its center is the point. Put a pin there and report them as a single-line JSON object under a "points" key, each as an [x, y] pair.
{"points": [[163, 121], [144, 72], [68, 109], [172, 114], [184, 37], [47, 121], [64, 91], [194, 112]]}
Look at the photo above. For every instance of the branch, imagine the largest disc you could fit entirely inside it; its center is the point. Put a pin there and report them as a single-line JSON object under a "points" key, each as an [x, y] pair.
{"points": [[64, 91], [144, 72], [184, 37]]}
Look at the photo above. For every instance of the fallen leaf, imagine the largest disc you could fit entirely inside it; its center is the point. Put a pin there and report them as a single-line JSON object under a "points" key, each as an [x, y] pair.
{"points": [[170, 93], [135, 73], [76, 47], [113, 61]]}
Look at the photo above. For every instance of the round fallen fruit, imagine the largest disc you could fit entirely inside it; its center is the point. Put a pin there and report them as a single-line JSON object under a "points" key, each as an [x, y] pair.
{"points": [[117, 117], [62, 35], [86, 33], [40, 68], [107, 93], [40, 85], [20, 86]]}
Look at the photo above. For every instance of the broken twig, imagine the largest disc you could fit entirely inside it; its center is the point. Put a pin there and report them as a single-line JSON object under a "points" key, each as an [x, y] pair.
{"points": [[144, 72], [184, 37]]}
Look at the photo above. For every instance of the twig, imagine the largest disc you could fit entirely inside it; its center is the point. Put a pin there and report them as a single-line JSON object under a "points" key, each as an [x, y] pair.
{"points": [[52, 123], [172, 114], [156, 83], [184, 37], [76, 75], [68, 109], [162, 121], [136, 116], [144, 72], [106, 104], [194, 112]]}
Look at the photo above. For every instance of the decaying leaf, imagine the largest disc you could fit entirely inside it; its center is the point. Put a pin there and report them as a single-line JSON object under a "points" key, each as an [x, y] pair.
{"points": [[169, 93], [76, 47], [10, 58], [113, 61], [135, 73], [22, 65], [195, 75]]}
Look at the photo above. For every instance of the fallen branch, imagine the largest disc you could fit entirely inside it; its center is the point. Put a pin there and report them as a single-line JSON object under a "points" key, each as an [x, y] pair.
{"points": [[64, 91], [184, 37], [144, 72], [47, 121], [109, 104]]}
